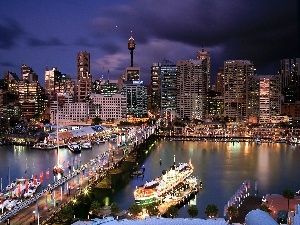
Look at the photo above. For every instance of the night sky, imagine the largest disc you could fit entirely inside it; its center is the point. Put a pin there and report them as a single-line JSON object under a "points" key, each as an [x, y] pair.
{"points": [[50, 33]]}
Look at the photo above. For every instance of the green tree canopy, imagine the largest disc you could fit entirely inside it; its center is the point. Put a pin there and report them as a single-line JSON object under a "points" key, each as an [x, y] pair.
{"points": [[134, 209], [97, 121], [193, 211], [152, 209], [95, 207], [288, 194], [65, 215], [211, 211], [232, 211], [172, 212], [265, 208], [114, 207]]}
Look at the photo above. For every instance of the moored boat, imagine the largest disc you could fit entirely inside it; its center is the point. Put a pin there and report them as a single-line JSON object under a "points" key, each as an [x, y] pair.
{"points": [[85, 144], [113, 138], [74, 147], [99, 141], [152, 191], [44, 146], [257, 141]]}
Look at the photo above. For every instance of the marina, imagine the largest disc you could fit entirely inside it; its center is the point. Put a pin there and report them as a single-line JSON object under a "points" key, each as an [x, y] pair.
{"points": [[161, 157]]}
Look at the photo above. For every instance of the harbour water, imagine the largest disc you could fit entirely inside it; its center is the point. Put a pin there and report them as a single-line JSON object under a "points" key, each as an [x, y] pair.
{"points": [[222, 167]]}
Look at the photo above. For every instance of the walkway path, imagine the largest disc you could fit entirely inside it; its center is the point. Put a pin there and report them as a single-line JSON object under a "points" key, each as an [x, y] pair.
{"points": [[50, 199]]}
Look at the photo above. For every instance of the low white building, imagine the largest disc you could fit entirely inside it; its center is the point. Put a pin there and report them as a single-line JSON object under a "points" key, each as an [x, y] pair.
{"points": [[154, 221], [109, 107], [101, 106]]}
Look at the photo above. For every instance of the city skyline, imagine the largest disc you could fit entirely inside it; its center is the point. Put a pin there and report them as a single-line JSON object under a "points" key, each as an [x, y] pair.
{"points": [[41, 34]]}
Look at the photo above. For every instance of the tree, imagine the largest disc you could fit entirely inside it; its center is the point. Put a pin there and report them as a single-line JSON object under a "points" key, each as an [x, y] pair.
{"points": [[65, 215], [152, 209], [95, 207], [211, 211], [114, 207], [97, 121], [193, 211], [134, 209], [288, 194], [172, 212], [265, 208], [232, 211]]}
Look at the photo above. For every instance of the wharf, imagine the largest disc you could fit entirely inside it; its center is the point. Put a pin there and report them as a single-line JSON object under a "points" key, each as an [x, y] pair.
{"points": [[47, 208], [177, 197]]}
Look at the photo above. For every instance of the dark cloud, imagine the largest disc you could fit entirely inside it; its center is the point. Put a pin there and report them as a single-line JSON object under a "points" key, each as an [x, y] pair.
{"points": [[261, 31], [244, 28], [8, 64], [34, 42], [10, 32]]}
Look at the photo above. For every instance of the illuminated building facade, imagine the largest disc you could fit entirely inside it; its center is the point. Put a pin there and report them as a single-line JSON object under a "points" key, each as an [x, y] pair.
{"points": [[84, 78], [136, 98], [235, 76], [269, 100], [190, 89]]}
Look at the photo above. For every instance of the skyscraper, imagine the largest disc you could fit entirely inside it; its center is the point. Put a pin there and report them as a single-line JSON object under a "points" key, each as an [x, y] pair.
{"points": [[235, 76], [290, 79], [269, 101], [84, 78], [190, 89], [168, 82], [163, 86]]}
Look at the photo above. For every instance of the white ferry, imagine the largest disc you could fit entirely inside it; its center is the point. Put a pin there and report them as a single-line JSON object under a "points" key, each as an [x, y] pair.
{"points": [[152, 191]]}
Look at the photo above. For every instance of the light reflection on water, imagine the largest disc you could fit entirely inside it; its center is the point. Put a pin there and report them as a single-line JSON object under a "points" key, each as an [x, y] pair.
{"points": [[222, 167]]}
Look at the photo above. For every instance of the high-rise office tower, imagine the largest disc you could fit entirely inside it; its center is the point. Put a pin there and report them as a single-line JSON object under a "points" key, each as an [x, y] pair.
{"points": [[235, 76], [163, 86], [136, 98], [28, 74], [155, 89], [290, 79], [168, 85], [57, 82], [84, 78], [252, 98], [220, 81], [269, 101], [190, 89], [132, 73], [205, 57]]}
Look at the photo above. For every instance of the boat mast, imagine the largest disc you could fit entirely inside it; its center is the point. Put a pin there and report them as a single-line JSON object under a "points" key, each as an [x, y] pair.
{"points": [[174, 160], [57, 139]]}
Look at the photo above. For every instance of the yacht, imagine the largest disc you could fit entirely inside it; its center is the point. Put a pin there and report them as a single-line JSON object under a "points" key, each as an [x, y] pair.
{"points": [[99, 141], [74, 147], [257, 141], [86, 144]]}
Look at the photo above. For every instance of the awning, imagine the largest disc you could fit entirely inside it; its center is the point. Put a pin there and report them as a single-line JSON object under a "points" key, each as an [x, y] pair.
{"points": [[61, 135], [83, 131]]}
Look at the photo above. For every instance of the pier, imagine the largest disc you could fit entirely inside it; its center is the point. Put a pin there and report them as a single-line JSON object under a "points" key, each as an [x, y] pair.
{"points": [[179, 196]]}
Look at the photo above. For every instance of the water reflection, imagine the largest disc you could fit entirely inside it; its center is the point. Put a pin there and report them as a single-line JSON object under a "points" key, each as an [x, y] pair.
{"points": [[222, 167]]}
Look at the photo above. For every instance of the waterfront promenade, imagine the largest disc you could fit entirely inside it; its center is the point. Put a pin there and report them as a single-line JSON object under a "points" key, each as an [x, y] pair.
{"points": [[39, 208]]}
